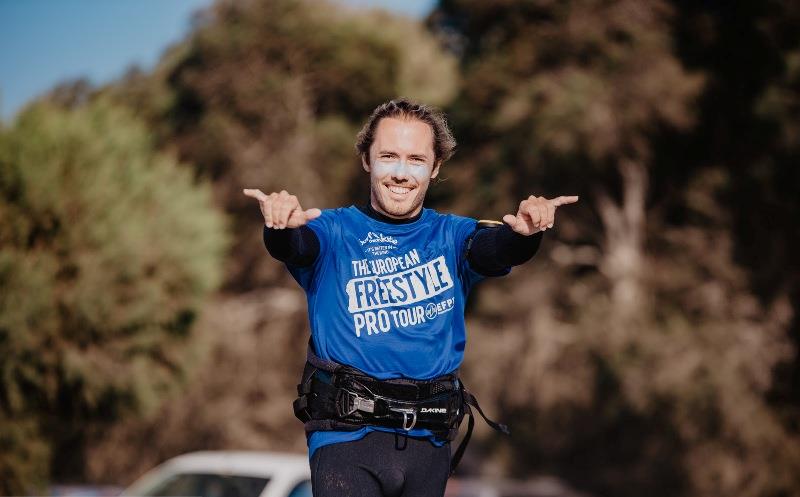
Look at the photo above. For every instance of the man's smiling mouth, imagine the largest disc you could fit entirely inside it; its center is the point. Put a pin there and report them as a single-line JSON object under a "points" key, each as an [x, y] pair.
{"points": [[400, 190]]}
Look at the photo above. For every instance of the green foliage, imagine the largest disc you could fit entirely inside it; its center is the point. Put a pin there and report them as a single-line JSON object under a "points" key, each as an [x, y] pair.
{"points": [[569, 89], [270, 94], [652, 347], [24, 457], [107, 249]]}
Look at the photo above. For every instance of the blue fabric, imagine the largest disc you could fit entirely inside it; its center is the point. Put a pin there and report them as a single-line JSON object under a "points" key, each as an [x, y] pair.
{"points": [[388, 299]]}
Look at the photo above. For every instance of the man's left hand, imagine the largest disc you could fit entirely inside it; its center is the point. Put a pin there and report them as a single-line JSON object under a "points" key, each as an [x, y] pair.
{"points": [[536, 214]]}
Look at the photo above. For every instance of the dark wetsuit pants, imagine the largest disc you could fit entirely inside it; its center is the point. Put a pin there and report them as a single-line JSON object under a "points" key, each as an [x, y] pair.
{"points": [[380, 465]]}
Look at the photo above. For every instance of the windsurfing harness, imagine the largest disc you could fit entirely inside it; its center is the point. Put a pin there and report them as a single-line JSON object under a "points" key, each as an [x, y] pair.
{"points": [[334, 396]]}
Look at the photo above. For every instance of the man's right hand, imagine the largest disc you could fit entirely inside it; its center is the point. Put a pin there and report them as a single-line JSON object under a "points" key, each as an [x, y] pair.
{"points": [[282, 210]]}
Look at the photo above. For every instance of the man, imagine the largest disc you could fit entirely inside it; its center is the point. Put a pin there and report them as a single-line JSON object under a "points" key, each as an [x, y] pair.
{"points": [[386, 285]]}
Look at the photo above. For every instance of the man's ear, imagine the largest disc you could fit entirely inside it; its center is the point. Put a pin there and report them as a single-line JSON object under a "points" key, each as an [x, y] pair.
{"points": [[365, 162], [435, 171]]}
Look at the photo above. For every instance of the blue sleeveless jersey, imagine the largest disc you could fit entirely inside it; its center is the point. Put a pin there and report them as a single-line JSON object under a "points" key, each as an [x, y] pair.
{"points": [[388, 299]]}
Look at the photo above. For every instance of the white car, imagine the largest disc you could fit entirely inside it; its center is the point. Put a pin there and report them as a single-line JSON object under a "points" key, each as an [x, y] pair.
{"points": [[227, 474]]}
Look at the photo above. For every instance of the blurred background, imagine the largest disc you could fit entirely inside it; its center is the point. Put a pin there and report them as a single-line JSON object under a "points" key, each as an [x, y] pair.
{"points": [[651, 347]]}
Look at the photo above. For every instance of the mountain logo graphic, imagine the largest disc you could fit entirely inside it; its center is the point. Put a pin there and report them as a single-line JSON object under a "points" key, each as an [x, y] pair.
{"points": [[373, 237]]}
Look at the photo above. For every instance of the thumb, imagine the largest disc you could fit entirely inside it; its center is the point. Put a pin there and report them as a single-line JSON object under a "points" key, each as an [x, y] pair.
{"points": [[510, 219], [312, 214]]}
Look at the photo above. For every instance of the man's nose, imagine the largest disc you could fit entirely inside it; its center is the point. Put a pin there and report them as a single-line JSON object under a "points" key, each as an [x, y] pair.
{"points": [[401, 170]]}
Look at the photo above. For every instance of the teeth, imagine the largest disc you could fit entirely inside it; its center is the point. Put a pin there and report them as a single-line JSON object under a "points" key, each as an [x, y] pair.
{"points": [[399, 189]]}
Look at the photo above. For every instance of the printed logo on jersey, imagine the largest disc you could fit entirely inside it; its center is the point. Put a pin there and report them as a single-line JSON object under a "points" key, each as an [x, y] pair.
{"points": [[373, 237], [378, 243], [432, 310], [382, 292]]}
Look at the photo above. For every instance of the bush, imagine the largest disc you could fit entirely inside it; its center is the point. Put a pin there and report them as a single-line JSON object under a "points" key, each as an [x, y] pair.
{"points": [[107, 249]]}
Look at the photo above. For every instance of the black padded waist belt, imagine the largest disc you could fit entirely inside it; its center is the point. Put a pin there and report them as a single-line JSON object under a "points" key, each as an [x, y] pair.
{"points": [[333, 396], [358, 400]]}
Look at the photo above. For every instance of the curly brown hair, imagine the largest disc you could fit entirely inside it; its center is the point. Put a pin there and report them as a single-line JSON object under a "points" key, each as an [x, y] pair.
{"points": [[443, 141]]}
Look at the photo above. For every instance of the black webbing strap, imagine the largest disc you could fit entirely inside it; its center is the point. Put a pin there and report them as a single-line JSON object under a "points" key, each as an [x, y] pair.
{"points": [[469, 402], [463, 445], [320, 363], [472, 401]]}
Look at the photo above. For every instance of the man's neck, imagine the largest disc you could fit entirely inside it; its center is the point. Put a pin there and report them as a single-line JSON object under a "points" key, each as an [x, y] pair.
{"points": [[371, 212]]}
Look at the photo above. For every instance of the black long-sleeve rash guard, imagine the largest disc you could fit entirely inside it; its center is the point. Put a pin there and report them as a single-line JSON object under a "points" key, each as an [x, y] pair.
{"points": [[491, 252]]}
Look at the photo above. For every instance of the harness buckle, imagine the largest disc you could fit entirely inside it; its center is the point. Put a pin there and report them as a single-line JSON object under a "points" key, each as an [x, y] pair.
{"points": [[352, 403], [362, 404]]}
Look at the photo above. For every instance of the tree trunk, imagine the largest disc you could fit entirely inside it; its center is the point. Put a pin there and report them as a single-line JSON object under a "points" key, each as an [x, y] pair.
{"points": [[624, 225]]}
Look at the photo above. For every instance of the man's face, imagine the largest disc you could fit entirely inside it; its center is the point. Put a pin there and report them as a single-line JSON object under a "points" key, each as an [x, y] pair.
{"points": [[401, 166]]}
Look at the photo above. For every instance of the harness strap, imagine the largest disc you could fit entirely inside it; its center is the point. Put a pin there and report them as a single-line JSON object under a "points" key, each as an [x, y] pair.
{"points": [[469, 402], [459, 453], [472, 401], [320, 363]]}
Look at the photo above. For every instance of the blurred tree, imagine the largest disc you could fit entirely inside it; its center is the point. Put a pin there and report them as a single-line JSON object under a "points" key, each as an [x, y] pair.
{"points": [[635, 348], [107, 249], [579, 86], [270, 94], [749, 132]]}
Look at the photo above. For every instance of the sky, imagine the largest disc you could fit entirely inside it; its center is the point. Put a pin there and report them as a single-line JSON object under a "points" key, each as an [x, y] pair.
{"points": [[45, 42]]}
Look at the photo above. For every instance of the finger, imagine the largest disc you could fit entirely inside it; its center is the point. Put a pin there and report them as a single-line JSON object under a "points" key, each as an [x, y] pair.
{"points": [[551, 214], [266, 210], [525, 223], [545, 218], [295, 211], [312, 214], [288, 205], [273, 210], [533, 213], [255, 193], [291, 204], [564, 200], [537, 209]]}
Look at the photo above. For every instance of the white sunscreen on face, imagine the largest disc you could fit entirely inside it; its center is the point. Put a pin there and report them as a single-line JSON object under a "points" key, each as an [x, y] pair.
{"points": [[401, 169]]}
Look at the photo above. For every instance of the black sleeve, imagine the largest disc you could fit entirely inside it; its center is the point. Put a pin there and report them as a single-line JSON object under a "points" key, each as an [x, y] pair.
{"points": [[295, 246], [492, 250]]}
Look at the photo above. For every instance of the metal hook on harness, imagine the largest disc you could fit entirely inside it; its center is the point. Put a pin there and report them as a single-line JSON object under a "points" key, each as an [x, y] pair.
{"points": [[406, 413]]}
